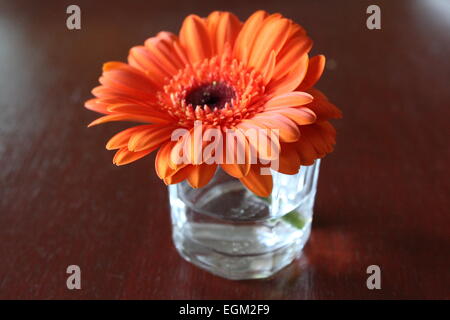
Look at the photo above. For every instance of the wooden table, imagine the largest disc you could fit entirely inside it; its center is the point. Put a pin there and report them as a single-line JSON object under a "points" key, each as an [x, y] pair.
{"points": [[383, 195]]}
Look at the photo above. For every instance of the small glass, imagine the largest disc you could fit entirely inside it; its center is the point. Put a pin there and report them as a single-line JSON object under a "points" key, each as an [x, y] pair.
{"points": [[227, 230]]}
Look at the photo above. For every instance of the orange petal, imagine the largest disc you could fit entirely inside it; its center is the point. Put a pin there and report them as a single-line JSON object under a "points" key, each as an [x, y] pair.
{"points": [[289, 161], [315, 70], [124, 156], [327, 128], [179, 175], [162, 53], [271, 37], [236, 155], [195, 145], [126, 80], [301, 116], [291, 80], [288, 130], [212, 21], [166, 52], [162, 161], [269, 69], [323, 108], [195, 39], [322, 136], [316, 141], [180, 52], [291, 99], [113, 100], [147, 111], [120, 139], [112, 65], [265, 146], [186, 150], [247, 36], [291, 55], [97, 106], [140, 58], [178, 155], [296, 31], [126, 74], [111, 96], [121, 117], [223, 29], [200, 175], [306, 151], [129, 82], [213, 145], [150, 138], [261, 185]]}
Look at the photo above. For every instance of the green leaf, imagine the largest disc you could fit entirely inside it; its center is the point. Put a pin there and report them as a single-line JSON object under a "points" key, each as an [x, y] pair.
{"points": [[295, 219]]}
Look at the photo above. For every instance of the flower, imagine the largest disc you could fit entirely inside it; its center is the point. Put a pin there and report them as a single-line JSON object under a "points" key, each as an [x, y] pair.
{"points": [[229, 75]]}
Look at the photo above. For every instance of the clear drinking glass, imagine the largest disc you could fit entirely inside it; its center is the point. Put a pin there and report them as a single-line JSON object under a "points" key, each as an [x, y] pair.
{"points": [[227, 230]]}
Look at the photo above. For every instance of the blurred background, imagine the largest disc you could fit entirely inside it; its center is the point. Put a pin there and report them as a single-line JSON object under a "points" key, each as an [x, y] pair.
{"points": [[383, 195]]}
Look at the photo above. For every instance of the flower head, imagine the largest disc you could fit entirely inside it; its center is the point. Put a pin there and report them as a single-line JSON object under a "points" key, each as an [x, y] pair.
{"points": [[230, 76]]}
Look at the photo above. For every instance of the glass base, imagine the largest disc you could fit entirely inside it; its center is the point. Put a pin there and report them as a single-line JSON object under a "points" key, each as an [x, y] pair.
{"points": [[234, 234], [260, 252]]}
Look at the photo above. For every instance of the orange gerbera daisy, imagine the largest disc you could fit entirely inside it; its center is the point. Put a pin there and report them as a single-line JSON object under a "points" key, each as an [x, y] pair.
{"points": [[229, 75]]}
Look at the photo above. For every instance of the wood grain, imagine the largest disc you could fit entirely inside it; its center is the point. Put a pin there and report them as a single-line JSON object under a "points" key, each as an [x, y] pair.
{"points": [[383, 195]]}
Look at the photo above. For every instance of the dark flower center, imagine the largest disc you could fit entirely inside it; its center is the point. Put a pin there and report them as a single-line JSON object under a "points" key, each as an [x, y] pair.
{"points": [[214, 95]]}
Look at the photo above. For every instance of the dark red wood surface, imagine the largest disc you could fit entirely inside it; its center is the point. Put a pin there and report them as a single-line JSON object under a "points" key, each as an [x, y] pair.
{"points": [[383, 195]]}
